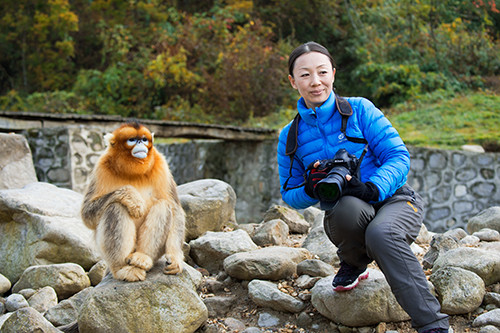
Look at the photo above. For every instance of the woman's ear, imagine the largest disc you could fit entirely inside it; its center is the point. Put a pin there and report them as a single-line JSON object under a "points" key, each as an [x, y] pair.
{"points": [[292, 81]]}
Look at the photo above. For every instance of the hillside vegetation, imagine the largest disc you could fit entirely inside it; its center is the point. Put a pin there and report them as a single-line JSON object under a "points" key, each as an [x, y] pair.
{"points": [[430, 65]]}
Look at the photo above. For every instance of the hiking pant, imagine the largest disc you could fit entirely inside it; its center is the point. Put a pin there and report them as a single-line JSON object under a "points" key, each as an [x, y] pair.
{"points": [[383, 232]]}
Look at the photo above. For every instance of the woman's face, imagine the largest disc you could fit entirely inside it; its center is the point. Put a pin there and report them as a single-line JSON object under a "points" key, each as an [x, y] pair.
{"points": [[313, 76]]}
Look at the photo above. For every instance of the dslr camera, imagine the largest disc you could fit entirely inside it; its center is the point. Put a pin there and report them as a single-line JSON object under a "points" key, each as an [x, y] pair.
{"points": [[331, 187]]}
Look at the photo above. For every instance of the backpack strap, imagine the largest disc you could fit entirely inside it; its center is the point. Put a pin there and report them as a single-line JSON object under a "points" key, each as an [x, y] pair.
{"points": [[345, 111]]}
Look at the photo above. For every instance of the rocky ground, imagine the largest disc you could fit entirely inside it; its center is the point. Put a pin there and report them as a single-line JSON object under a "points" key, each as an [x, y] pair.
{"points": [[243, 315]]}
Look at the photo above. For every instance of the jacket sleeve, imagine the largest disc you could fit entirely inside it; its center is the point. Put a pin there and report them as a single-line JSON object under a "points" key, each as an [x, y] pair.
{"points": [[388, 148], [297, 197]]}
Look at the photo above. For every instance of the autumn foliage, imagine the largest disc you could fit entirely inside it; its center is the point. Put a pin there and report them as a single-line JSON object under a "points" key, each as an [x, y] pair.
{"points": [[226, 61]]}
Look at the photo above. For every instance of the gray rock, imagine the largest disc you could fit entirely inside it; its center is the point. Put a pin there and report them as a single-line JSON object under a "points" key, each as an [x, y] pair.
{"points": [[296, 222], [270, 263], [306, 281], [234, 325], [267, 295], [66, 311], [440, 244], [161, 303], [490, 246], [469, 240], [315, 267], [483, 263], [66, 279], [219, 306], [27, 292], [267, 320], [16, 162], [4, 317], [492, 298], [210, 250], [43, 299], [209, 206], [318, 243], [15, 302], [424, 236], [488, 218], [250, 228], [313, 214], [5, 284], [272, 232], [252, 330], [39, 225], [459, 291], [370, 303], [489, 329], [457, 233], [97, 272], [27, 320], [487, 235], [489, 318]]}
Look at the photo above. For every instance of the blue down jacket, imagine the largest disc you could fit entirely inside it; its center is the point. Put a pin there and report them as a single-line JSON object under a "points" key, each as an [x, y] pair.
{"points": [[386, 164]]}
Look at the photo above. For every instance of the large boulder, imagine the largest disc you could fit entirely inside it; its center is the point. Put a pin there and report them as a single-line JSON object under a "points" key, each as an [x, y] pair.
{"points": [[318, 243], [66, 279], [27, 320], [40, 224], [459, 291], [16, 162], [370, 303], [488, 218], [210, 250], [296, 222], [209, 206], [484, 263], [270, 263], [267, 295], [161, 303]]}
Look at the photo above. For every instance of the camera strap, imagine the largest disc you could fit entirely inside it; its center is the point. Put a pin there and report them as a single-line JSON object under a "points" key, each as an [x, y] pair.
{"points": [[345, 111]]}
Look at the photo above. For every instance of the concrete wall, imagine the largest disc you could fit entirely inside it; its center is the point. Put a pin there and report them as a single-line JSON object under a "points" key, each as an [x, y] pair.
{"points": [[456, 185]]}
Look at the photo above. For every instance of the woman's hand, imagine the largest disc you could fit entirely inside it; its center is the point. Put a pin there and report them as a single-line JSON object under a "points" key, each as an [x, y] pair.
{"points": [[365, 191]]}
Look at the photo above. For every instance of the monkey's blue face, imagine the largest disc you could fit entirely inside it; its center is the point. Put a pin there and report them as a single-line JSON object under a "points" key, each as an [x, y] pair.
{"points": [[140, 149]]}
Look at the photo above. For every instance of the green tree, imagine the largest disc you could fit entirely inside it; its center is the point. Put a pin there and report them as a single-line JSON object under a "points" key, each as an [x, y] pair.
{"points": [[36, 46]]}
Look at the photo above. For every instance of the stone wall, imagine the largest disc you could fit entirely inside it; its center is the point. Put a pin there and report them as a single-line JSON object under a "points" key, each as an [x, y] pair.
{"points": [[455, 185]]}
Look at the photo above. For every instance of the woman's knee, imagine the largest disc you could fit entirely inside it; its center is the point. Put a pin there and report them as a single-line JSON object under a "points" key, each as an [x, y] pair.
{"points": [[350, 215]]}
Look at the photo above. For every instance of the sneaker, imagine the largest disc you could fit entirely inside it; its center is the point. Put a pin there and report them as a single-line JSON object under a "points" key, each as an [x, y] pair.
{"points": [[348, 277]]}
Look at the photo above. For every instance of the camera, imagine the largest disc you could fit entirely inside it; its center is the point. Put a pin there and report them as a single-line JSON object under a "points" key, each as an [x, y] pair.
{"points": [[330, 188]]}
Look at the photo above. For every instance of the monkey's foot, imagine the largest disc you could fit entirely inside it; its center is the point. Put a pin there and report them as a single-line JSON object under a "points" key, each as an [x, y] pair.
{"points": [[140, 260], [131, 274], [172, 266]]}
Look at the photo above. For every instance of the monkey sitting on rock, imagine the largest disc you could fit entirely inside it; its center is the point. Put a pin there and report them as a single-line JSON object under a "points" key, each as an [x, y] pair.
{"points": [[131, 203]]}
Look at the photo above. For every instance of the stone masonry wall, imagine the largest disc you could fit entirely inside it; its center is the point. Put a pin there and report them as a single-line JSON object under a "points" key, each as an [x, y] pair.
{"points": [[455, 185]]}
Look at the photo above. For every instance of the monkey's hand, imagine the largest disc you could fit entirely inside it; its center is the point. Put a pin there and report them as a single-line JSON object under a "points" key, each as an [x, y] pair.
{"points": [[132, 200], [173, 265]]}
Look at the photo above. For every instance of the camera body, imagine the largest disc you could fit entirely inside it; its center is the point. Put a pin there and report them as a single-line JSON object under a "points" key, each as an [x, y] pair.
{"points": [[331, 187]]}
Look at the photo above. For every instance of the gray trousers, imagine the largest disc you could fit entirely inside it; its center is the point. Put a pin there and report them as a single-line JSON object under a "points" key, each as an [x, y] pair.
{"points": [[383, 232]]}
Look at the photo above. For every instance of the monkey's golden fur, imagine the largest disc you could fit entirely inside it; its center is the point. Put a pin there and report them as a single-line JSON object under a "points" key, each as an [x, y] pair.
{"points": [[133, 208]]}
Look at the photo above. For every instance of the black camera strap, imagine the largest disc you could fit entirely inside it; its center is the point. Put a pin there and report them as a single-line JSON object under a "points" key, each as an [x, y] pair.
{"points": [[345, 111]]}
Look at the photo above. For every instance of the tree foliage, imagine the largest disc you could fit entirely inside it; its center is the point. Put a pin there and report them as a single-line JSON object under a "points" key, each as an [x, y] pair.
{"points": [[226, 61]]}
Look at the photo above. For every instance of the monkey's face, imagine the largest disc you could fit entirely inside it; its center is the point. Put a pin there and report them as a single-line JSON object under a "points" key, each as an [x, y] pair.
{"points": [[131, 141]]}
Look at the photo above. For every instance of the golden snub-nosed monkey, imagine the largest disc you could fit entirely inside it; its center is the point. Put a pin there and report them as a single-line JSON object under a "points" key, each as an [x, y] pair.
{"points": [[132, 205]]}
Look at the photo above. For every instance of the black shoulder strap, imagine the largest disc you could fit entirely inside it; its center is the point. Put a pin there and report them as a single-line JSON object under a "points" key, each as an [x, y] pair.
{"points": [[345, 111]]}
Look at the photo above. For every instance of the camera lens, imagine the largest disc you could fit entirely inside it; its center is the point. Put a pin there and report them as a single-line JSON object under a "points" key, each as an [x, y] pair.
{"points": [[330, 188]]}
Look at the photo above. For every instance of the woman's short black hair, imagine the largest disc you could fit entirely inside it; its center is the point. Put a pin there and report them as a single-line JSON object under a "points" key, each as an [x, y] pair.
{"points": [[306, 48]]}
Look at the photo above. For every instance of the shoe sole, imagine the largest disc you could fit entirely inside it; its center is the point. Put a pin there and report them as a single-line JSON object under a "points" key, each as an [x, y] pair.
{"points": [[353, 285]]}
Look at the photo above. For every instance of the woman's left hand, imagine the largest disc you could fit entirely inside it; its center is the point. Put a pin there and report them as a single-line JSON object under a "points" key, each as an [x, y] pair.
{"points": [[365, 191]]}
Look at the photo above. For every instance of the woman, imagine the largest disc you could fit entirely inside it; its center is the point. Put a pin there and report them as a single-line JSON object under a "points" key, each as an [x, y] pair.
{"points": [[377, 215]]}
